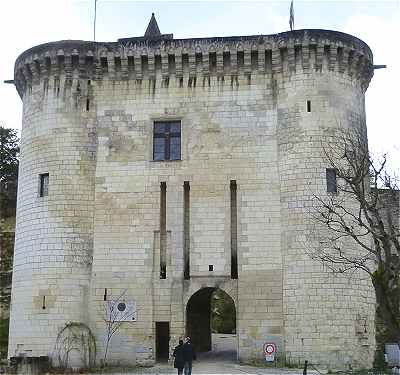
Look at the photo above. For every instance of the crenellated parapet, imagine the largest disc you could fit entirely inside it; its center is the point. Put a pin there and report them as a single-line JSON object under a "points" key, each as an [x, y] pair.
{"points": [[281, 54]]}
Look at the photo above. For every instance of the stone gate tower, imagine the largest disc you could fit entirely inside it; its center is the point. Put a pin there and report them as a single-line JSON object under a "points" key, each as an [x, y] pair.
{"points": [[161, 169]]}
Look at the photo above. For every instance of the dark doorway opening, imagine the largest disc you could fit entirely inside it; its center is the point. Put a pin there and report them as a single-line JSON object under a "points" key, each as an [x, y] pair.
{"points": [[211, 312], [162, 341]]}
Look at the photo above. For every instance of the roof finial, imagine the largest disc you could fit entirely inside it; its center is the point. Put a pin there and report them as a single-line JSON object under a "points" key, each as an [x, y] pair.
{"points": [[152, 29]]}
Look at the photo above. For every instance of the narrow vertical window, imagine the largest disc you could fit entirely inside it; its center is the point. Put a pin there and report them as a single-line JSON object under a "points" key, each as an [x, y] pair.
{"points": [[234, 263], [163, 230], [44, 185], [186, 230], [308, 105], [331, 181], [167, 140]]}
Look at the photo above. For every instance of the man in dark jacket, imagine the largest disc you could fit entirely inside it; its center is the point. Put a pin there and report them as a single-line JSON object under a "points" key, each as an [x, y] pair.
{"points": [[189, 355], [179, 362]]}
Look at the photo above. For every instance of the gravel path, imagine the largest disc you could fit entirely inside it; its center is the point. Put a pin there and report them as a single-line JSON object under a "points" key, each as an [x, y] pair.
{"points": [[224, 363]]}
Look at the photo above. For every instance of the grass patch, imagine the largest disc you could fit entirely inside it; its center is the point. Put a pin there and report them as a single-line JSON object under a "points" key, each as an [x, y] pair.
{"points": [[279, 363]]}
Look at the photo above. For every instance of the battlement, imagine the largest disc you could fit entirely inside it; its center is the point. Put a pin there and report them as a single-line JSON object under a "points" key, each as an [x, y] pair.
{"points": [[162, 57]]}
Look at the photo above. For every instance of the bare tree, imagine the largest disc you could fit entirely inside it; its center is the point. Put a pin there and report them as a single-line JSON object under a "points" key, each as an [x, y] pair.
{"points": [[364, 211], [116, 312]]}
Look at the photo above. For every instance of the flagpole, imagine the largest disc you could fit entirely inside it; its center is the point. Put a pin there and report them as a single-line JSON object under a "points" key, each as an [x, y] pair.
{"points": [[94, 22], [291, 17]]}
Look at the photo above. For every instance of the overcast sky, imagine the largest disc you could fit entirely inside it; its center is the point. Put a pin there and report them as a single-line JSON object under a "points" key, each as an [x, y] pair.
{"points": [[26, 23]]}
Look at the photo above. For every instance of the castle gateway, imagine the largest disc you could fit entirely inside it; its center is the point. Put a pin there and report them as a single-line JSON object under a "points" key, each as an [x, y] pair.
{"points": [[155, 171]]}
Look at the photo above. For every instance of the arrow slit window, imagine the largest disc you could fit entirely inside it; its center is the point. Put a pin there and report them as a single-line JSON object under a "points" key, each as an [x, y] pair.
{"points": [[167, 140], [331, 181], [43, 185]]}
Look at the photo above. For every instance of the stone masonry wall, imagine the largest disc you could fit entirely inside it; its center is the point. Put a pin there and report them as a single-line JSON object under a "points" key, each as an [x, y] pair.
{"points": [[88, 122], [217, 148]]}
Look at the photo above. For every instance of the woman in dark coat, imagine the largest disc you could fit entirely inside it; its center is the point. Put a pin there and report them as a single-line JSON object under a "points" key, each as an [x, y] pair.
{"points": [[179, 362]]}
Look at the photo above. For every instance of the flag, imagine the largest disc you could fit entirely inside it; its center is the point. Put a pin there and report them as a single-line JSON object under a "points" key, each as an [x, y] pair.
{"points": [[291, 19]]}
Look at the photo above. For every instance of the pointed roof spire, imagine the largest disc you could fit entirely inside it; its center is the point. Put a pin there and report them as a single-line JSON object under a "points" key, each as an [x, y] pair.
{"points": [[152, 34], [152, 29]]}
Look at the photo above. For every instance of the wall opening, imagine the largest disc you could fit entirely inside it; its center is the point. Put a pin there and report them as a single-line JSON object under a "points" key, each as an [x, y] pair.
{"points": [[163, 230], [185, 62], [162, 341], [157, 63], [75, 61], [268, 61], [308, 105], [104, 64], [145, 64], [44, 185], [186, 230], [254, 59], [211, 322], [234, 263], [171, 64], [117, 63], [226, 59], [213, 62], [331, 181]]}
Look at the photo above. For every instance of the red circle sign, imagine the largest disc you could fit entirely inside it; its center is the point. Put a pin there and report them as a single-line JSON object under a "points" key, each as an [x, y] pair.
{"points": [[269, 348]]}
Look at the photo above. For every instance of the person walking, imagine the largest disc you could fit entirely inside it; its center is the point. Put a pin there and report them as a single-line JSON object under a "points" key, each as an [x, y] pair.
{"points": [[189, 355], [179, 362]]}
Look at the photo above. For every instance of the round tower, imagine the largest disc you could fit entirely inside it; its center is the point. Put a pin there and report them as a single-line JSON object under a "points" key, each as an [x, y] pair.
{"points": [[54, 239], [321, 79]]}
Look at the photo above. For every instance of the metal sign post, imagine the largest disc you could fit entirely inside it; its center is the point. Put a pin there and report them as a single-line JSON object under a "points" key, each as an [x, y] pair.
{"points": [[269, 351]]}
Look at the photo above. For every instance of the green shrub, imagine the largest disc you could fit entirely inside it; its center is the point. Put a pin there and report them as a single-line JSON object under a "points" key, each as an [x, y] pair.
{"points": [[379, 360], [4, 323]]}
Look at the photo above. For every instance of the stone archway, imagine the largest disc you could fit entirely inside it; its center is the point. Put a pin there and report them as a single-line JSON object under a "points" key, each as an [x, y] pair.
{"points": [[202, 313]]}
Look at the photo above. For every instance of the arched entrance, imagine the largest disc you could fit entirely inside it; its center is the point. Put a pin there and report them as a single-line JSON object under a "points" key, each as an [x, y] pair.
{"points": [[211, 313]]}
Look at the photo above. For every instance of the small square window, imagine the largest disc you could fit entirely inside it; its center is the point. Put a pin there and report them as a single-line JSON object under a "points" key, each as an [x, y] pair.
{"points": [[331, 181], [167, 140], [44, 185]]}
